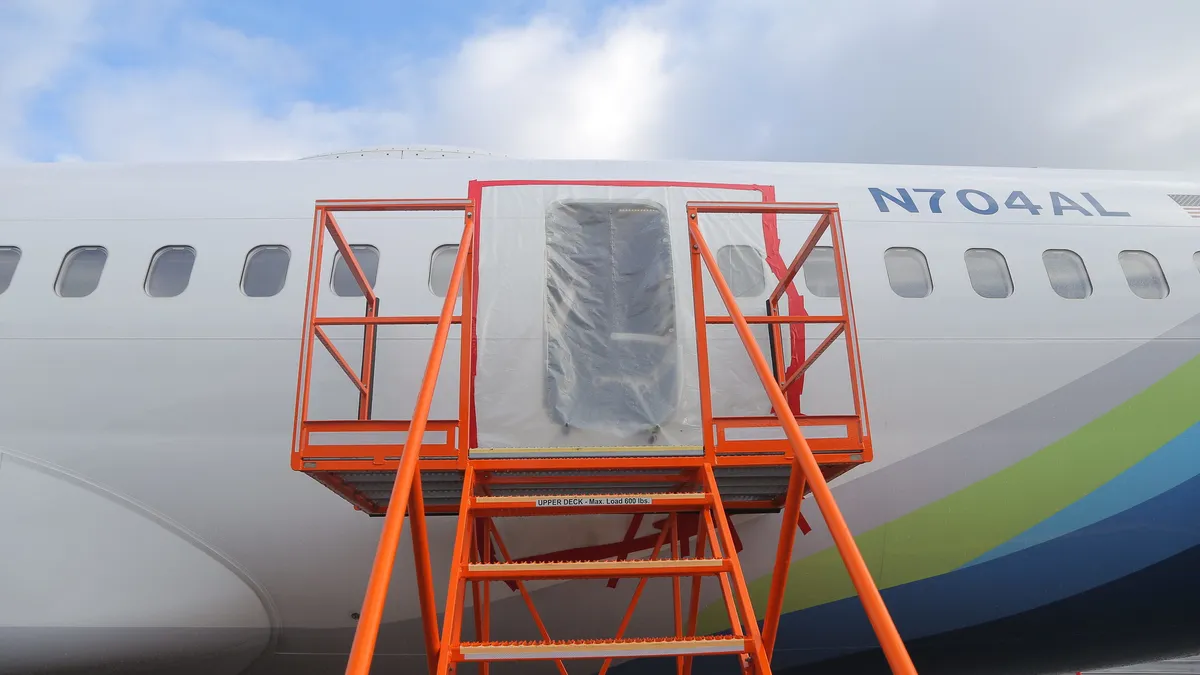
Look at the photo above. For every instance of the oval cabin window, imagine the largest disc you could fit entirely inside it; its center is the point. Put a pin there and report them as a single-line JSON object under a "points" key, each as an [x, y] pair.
{"points": [[1144, 275], [170, 271], [79, 274], [265, 271], [9, 257], [1067, 273], [908, 272], [343, 281]]}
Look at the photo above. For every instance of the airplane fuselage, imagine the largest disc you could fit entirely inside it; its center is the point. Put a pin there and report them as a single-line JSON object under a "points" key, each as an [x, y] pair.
{"points": [[1029, 506]]}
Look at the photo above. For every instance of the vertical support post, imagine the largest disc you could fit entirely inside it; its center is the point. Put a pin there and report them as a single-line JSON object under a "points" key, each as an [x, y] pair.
{"points": [[783, 558], [706, 413], [466, 338], [367, 374], [424, 573], [847, 304], [877, 612], [309, 335]]}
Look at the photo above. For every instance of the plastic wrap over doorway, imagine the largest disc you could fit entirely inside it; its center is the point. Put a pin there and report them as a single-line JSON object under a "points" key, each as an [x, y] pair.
{"points": [[585, 322]]}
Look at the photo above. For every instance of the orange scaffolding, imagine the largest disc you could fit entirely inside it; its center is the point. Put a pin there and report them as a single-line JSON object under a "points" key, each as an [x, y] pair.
{"points": [[686, 488]]}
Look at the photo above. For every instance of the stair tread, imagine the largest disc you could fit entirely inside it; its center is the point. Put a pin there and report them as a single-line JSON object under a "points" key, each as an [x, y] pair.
{"points": [[499, 499], [667, 646], [595, 568]]}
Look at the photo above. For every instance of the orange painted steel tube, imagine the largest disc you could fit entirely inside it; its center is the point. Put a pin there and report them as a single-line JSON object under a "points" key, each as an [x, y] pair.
{"points": [[801, 256], [341, 360], [370, 333], [816, 354], [457, 587], [381, 320], [424, 573], [783, 559], [706, 412], [305, 343], [363, 649], [349, 258], [776, 319], [881, 620]]}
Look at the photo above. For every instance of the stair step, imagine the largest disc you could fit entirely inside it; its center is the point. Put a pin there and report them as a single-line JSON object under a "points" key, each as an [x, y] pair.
{"points": [[602, 649], [599, 503], [596, 569], [588, 451]]}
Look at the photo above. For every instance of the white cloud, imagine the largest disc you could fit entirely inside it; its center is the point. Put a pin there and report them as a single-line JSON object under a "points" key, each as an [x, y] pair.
{"points": [[545, 90], [1101, 83], [38, 41]]}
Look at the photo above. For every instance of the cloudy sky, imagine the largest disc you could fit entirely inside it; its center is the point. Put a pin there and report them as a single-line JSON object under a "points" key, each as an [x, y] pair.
{"points": [[1070, 83]]}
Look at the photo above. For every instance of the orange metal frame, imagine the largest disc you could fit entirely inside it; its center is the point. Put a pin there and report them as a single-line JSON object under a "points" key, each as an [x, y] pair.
{"points": [[813, 462], [807, 469]]}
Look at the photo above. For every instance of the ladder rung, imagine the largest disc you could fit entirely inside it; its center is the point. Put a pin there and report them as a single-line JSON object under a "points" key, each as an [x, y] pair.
{"points": [[621, 503], [596, 569], [592, 649]]}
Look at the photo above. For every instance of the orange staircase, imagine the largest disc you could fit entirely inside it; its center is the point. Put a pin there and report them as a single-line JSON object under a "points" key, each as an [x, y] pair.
{"points": [[691, 486]]}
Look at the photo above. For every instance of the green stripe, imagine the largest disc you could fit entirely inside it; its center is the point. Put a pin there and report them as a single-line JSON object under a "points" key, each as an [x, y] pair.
{"points": [[958, 528]]}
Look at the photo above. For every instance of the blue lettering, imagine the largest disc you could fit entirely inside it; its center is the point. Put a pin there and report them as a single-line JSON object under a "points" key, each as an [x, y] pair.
{"points": [[935, 198], [1101, 210], [1018, 200], [1062, 202], [991, 208], [905, 200]]}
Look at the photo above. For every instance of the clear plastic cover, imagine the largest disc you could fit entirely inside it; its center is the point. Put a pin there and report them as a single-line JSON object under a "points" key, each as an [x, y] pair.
{"points": [[585, 320]]}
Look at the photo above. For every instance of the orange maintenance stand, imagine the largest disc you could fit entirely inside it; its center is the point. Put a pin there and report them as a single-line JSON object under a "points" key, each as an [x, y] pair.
{"points": [[504, 482]]}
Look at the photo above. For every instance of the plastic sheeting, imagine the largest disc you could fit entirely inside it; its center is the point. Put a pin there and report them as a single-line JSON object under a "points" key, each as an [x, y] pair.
{"points": [[585, 321]]}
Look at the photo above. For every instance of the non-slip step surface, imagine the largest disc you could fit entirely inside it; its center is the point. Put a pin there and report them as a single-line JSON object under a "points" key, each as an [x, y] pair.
{"points": [[596, 569], [592, 649], [664, 500]]}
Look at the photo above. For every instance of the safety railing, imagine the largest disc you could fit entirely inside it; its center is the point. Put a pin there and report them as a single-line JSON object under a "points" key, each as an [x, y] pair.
{"points": [[807, 469], [406, 494], [312, 449], [848, 439]]}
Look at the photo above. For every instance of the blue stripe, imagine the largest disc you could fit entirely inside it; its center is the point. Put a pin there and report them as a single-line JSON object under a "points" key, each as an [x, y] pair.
{"points": [[1068, 565], [1169, 466]]}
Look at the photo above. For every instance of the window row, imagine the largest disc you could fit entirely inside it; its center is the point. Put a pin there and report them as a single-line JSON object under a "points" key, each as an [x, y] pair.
{"points": [[909, 276], [263, 273]]}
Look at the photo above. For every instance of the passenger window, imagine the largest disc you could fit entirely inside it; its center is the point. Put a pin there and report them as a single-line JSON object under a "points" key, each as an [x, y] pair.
{"points": [[989, 273], [908, 272], [9, 257], [80, 271], [742, 267], [170, 271], [1144, 275], [1067, 273], [820, 274], [343, 281], [265, 271], [441, 268]]}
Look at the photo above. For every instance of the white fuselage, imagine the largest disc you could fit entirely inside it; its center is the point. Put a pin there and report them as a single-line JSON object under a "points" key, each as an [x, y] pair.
{"points": [[147, 506]]}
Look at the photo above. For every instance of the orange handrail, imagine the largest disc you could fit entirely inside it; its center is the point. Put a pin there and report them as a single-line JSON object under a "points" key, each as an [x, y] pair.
{"points": [[367, 632], [877, 612]]}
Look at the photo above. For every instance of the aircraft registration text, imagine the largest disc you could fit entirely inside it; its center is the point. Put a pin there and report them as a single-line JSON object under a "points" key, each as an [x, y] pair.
{"points": [[979, 202]]}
